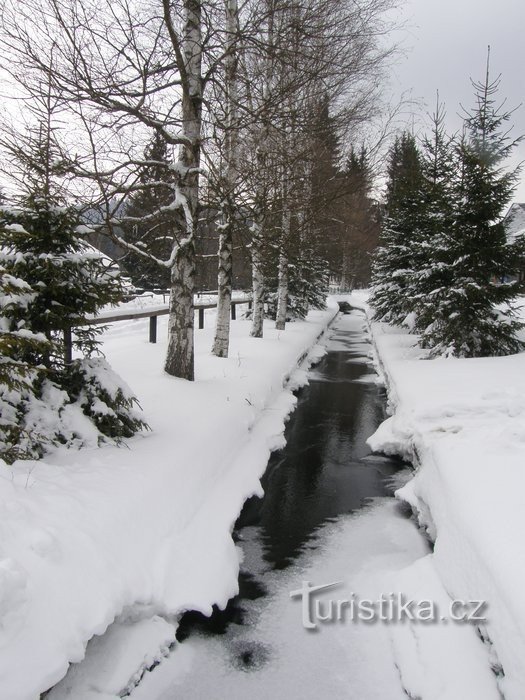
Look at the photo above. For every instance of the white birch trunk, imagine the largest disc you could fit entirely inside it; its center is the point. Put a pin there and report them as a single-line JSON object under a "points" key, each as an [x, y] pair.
{"points": [[282, 284], [180, 353], [258, 284], [222, 328]]}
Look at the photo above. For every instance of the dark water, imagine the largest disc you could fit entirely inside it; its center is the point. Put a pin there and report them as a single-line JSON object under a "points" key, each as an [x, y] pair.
{"points": [[325, 470]]}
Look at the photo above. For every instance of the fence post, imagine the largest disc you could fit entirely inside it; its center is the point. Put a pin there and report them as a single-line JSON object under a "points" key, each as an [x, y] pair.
{"points": [[68, 346], [152, 329], [201, 318]]}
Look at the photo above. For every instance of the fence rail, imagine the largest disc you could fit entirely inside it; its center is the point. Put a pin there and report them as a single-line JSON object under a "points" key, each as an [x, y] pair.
{"points": [[152, 313]]}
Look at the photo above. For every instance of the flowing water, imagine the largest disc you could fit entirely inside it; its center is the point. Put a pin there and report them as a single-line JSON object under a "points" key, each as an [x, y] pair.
{"points": [[327, 515]]}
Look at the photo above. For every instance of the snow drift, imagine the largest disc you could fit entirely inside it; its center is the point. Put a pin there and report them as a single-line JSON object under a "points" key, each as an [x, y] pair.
{"points": [[462, 423], [88, 536]]}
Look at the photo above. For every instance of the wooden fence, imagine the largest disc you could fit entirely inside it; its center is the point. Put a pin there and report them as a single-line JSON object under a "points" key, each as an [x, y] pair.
{"points": [[152, 313]]}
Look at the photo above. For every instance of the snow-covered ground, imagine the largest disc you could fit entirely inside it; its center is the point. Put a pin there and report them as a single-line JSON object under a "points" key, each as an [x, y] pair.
{"points": [[462, 422], [141, 532]]}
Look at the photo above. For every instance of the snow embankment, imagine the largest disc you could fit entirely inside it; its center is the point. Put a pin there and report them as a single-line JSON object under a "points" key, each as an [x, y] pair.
{"points": [[462, 423], [142, 531]]}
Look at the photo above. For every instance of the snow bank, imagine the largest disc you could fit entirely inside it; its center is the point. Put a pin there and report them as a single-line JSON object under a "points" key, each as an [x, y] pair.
{"points": [[462, 422], [144, 530]]}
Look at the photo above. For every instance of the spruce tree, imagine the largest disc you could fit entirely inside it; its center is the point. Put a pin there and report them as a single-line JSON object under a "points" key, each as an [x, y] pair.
{"points": [[18, 378], [359, 221], [145, 223], [50, 282], [394, 259], [430, 275], [471, 310]]}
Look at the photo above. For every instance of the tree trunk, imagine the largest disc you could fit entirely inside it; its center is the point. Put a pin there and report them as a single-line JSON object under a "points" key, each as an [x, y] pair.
{"points": [[282, 285], [258, 285], [180, 353], [222, 328]]}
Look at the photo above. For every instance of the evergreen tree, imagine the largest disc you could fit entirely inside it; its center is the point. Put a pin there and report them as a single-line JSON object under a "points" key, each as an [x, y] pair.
{"points": [[470, 308], [358, 217], [18, 379], [394, 259], [50, 281], [40, 245], [429, 276], [146, 224], [302, 205], [309, 267]]}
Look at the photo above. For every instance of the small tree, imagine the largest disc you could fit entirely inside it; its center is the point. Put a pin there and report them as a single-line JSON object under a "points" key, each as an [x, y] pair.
{"points": [[393, 262], [17, 378], [50, 282], [429, 276]]}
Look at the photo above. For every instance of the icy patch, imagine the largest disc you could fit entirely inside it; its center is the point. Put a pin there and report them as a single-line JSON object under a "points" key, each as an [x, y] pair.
{"points": [[373, 552]]}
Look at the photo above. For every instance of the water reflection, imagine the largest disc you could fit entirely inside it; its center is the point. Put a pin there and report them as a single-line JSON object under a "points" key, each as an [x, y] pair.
{"points": [[324, 471], [321, 472]]}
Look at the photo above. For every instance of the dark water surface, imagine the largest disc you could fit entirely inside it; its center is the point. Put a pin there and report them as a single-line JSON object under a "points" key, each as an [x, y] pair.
{"points": [[324, 471]]}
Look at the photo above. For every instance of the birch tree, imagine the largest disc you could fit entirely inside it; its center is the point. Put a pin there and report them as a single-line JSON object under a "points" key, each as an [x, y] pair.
{"points": [[126, 70], [313, 51], [228, 180]]}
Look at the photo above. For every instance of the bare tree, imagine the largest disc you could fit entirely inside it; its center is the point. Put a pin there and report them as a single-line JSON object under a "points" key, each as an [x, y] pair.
{"points": [[228, 180], [126, 70], [312, 51]]}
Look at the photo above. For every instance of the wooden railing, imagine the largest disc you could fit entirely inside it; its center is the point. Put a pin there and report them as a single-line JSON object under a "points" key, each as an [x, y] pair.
{"points": [[152, 313]]}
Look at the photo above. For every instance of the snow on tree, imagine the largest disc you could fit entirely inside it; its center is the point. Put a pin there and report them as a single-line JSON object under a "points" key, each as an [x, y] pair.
{"points": [[393, 261], [50, 282], [59, 281], [471, 308], [18, 378], [431, 243]]}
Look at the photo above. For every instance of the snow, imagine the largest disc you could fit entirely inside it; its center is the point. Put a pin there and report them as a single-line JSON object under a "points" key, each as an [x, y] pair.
{"points": [[105, 671], [439, 660], [371, 552], [462, 423], [143, 531]]}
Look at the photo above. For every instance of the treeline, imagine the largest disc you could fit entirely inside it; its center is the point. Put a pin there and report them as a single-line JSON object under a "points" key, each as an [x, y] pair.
{"points": [[171, 117], [444, 266]]}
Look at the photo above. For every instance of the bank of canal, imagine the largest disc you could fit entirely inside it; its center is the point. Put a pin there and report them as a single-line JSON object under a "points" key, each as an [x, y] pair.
{"points": [[327, 515]]}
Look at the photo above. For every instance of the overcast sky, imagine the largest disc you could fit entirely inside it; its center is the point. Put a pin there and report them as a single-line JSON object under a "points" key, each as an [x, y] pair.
{"points": [[445, 45]]}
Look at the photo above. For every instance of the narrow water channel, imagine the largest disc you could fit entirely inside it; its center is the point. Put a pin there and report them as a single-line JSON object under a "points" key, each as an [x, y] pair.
{"points": [[327, 515], [325, 469]]}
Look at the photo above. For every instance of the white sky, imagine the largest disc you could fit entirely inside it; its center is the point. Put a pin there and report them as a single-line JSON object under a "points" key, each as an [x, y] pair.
{"points": [[446, 44]]}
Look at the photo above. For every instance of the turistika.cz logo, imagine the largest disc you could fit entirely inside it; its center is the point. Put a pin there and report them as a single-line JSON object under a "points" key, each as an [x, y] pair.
{"points": [[388, 608]]}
